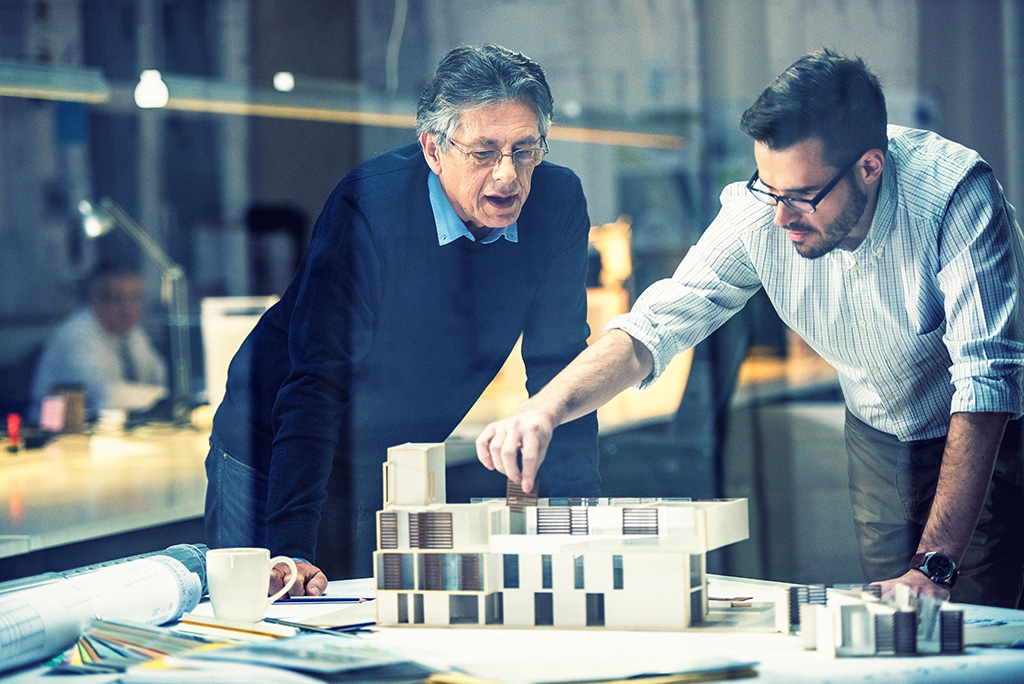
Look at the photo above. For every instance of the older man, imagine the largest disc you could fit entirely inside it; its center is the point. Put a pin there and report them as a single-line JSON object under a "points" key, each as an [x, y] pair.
{"points": [[894, 254], [102, 348], [426, 265]]}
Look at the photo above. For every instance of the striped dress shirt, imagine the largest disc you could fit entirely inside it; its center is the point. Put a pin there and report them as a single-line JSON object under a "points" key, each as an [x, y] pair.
{"points": [[923, 319]]}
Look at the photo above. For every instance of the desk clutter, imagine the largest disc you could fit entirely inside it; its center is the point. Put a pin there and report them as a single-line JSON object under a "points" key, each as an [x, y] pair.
{"points": [[41, 616], [447, 575], [147, 654]]}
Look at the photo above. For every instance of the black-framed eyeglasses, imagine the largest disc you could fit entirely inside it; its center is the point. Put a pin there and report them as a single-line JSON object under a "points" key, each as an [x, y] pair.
{"points": [[526, 158], [804, 206]]}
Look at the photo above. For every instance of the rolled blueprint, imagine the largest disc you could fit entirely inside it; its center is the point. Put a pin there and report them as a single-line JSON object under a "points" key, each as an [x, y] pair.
{"points": [[39, 622], [193, 556]]}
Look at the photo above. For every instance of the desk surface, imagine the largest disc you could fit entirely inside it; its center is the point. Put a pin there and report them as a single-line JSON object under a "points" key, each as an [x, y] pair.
{"points": [[82, 487], [780, 658]]}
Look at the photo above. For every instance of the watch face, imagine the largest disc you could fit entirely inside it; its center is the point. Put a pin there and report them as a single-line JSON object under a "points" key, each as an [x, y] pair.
{"points": [[939, 567]]}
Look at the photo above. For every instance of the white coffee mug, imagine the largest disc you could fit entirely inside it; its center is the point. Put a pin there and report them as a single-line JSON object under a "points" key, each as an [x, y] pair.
{"points": [[239, 580]]}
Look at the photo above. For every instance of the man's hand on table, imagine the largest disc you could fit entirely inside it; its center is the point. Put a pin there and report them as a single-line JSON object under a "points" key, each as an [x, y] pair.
{"points": [[918, 583], [310, 582]]}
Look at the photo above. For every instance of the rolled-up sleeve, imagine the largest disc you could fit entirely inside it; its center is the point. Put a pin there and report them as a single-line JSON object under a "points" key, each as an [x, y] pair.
{"points": [[980, 277]]}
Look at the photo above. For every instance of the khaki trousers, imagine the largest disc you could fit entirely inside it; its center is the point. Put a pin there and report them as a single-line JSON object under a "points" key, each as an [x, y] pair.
{"points": [[892, 485]]}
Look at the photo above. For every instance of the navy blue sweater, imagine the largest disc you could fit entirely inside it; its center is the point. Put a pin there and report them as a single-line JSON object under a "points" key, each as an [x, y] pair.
{"points": [[385, 337]]}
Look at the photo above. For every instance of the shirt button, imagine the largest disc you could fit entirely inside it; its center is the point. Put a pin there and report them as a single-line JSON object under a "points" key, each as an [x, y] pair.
{"points": [[862, 323], [890, 397], [854, 267], [879, 251], [876, 369]]}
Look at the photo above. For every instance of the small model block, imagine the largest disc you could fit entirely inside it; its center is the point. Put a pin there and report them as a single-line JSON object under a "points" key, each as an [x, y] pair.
{"points": [[414, 475]]}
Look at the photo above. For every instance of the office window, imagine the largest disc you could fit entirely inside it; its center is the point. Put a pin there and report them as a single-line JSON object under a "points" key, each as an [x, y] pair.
{"points": [[617, 574], [545, 571], [452, 571], [403, 609], [543, 609], [408, 563], [595, 610], [696, 569], [417, 609], [516, 521], [494, 609], [463, 609], [511, 570], [577, 571]]}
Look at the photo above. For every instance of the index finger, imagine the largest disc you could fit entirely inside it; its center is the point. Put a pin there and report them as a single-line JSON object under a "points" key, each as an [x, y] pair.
{"points": [[483, 446], [508, 455], [532, 455]]}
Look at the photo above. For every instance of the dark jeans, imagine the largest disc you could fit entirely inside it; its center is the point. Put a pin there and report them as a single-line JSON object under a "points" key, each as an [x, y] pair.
{"points": [[236, 501], [892, 485], [236, 512]]}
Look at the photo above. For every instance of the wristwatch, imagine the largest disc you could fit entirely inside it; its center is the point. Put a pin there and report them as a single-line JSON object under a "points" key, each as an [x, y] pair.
{"points": [[938, 567]]}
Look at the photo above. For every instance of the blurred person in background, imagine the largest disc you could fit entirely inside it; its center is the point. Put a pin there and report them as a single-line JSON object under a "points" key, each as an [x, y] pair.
{"points": [[102, 349]]}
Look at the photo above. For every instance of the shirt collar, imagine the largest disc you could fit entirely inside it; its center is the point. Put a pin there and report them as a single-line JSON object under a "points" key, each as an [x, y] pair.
{"points": [[885, 208], [450, 227], [884, 218]]}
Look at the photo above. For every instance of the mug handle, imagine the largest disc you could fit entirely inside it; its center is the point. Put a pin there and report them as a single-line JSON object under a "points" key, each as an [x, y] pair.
{"points": [[291, 580]]}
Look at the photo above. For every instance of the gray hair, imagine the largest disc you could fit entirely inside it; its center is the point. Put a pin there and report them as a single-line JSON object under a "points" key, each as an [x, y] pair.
{"points": [[470, 77]]}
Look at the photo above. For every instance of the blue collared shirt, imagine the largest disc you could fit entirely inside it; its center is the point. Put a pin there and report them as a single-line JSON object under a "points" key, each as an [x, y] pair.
{"points": [[450, 227], [923, 318]]}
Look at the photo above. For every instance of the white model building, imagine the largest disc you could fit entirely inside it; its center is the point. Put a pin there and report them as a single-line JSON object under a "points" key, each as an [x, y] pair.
{"points": [[845, 623], [617, 563]]}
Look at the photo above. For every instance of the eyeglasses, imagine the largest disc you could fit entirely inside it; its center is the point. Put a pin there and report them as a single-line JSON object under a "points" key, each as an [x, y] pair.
{"points": [[526, 158], [804, 206]]}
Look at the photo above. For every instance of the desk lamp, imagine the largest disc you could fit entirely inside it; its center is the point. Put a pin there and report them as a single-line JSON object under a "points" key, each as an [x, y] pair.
{"points": [[97, 221]]}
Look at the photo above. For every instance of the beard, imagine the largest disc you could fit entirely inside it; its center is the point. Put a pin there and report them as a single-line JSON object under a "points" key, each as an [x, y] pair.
{"points": [[837, 229]]}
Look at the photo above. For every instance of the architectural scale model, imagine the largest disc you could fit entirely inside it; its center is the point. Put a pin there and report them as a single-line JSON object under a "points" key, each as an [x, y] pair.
{"points": [[856, 622], [617, 563], [524, 562]]}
